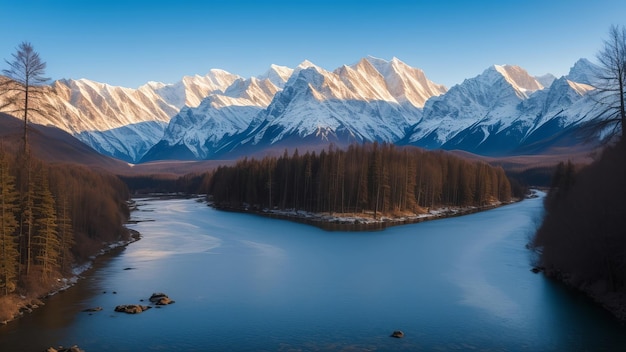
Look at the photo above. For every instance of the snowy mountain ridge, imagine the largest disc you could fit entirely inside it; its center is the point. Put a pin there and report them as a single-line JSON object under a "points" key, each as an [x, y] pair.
{"points": [[494, 114], [502, 110], [125, 122]]}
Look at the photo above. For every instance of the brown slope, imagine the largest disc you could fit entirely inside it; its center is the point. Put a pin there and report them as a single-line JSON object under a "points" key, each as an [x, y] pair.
{"points": [[578, 155], [54, 145], [174, 168]]}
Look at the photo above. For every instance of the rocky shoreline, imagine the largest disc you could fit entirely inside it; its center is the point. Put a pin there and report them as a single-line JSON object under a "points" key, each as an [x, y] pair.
{"points": [[361, 221], [25, 305]]}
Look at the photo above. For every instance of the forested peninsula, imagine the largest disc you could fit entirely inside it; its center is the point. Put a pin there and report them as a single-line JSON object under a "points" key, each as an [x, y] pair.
{"points": [[369, 180], [52, 217]]}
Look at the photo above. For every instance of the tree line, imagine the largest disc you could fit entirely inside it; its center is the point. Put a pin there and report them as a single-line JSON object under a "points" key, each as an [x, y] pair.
{"points": [[378, 178], [581, 239], [52, 216]]}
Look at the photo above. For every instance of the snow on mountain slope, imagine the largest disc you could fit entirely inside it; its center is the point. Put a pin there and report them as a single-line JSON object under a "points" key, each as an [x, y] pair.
{"points": [[546, 80], [194, 132], [503, 110], [519, 79], [192, 89], [363, 102], [583, 71], [128, 142], [124, 122], [490, 98], [406, 83], [278, 75]]}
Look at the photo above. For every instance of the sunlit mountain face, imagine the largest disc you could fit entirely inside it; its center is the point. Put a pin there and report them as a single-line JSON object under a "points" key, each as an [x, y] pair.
{"points": [[502, 111]]}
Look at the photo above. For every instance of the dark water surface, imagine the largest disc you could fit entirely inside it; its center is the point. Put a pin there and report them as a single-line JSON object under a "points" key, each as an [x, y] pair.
{"points": [[247, 283]]}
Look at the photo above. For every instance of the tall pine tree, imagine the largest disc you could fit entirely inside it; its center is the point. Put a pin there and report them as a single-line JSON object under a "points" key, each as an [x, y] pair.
{"points": [[9, 255], [46, 240], [65, 232]]}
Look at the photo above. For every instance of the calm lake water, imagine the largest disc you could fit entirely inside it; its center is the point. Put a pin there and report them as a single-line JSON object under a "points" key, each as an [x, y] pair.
{"points": [[247, 283]]}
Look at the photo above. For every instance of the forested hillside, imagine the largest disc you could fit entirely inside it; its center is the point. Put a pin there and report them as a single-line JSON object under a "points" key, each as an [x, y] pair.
{"points": [[51, 217], [582, 238], [374, 177]]}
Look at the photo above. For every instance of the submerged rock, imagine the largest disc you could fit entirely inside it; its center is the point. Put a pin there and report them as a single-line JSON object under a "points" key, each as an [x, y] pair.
{"points": [[397, 334], [94, 309], [65, 349], [537, 269]]}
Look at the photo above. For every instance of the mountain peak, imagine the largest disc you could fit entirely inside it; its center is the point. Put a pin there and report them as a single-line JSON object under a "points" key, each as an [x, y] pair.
{"points": [[406, 83], [381, 65], [216, 72], [307, 64], [397, 62], [546, 80], [519, 78], [278, 75], [583, 71]]}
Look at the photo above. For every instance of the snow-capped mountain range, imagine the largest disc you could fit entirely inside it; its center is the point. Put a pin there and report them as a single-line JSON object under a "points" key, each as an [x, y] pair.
{"points": [[503, 110]]}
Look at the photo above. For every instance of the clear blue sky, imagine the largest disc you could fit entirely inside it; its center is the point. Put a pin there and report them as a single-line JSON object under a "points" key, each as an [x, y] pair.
{"points": [[128, 43]]}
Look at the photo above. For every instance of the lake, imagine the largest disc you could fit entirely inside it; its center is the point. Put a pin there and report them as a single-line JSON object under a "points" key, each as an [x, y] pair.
{"points": [[244, 282]]}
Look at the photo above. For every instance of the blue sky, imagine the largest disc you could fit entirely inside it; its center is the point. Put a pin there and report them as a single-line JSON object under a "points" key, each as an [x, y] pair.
{"points": [[128, 43]]}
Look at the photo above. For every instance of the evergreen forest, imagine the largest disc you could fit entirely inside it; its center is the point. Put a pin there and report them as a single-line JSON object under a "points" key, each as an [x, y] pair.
{"points": [[52, 217], [378, 178], [581, 240]]}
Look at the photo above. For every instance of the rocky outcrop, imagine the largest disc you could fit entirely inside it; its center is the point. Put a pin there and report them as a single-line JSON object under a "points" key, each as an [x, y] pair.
{"points": [[160, 299], [131, 308]]}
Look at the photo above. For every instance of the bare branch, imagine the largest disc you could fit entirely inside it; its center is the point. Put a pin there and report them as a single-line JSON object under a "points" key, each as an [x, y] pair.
{"points": [[610, 86]]}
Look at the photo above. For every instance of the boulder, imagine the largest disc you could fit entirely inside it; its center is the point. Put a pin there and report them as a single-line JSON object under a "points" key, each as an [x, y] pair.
{"points": [[164, 301], [131, 308], [160, 299], [397, 334]]}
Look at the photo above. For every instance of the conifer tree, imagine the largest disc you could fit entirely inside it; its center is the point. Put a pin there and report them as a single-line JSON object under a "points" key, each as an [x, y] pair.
{"points": [[46, 240], [9, 255], [65, 232], [27, 219], [24, 86]]}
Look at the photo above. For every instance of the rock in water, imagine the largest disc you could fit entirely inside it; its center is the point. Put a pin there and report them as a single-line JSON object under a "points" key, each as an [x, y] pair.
{"points": [[164, 301], [397, 334], [160, 299], [131, 308]]}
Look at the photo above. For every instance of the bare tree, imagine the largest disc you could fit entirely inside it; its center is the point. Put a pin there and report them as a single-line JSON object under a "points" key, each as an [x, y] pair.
{"points": [[611, 82], [24, 83]]}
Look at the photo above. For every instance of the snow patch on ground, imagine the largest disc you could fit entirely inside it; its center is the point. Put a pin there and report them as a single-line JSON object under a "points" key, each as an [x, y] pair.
{"points": [[368, 217], [79, 269]]}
